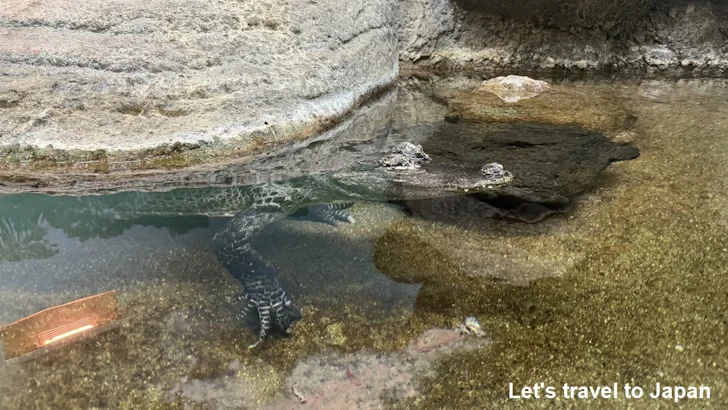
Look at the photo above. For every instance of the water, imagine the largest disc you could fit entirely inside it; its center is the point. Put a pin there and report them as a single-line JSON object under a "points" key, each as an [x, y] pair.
{"points": [[626, 284]]}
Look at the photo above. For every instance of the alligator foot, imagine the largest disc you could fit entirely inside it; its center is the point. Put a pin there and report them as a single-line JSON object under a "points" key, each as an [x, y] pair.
{"points": [[332, 213], [274, 308]]}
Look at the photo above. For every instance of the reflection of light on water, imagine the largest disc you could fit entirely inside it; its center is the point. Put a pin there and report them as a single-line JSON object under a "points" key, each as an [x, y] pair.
{"points": [[67, 334]]}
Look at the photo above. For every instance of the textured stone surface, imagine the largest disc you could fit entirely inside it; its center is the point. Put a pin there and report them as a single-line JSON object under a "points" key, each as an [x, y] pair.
{"points": [[641, 35], [133, 74], [565, 14], [420, 24], [119, 82], [364, 133]]}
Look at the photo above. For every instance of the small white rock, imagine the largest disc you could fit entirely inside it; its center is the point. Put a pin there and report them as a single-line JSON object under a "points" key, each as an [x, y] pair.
{"points": [[514, 88], [471, 326]]}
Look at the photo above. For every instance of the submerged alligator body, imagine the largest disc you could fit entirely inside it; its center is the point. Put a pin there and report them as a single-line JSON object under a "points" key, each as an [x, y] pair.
{"points": [[405, 173], [325, 196], [262, 289]]}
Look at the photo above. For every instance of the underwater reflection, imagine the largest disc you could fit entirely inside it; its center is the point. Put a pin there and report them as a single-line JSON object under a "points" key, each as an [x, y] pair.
{"points": [[26, 219], [24, 238]]}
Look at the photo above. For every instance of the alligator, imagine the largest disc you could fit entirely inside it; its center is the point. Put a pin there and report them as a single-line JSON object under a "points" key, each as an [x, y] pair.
{"points": [[401, 173], [405, 173]]}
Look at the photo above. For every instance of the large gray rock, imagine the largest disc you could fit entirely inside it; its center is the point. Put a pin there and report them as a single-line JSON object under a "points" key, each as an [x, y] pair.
{"points": [[403, 113], [421, 23], [626, 35], [135, 75]]}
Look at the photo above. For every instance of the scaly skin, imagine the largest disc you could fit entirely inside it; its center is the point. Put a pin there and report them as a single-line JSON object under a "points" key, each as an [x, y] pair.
{"points": [[262, 288], [327, 196]]}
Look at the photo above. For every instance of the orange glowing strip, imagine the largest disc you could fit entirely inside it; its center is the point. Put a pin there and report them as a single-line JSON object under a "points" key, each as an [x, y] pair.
{"points": [[52, 334], [69, 333], [49, 334], [53, 326]]}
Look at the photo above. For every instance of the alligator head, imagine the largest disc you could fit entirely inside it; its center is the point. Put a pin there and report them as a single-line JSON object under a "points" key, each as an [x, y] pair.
{"points": [[407, 172]]}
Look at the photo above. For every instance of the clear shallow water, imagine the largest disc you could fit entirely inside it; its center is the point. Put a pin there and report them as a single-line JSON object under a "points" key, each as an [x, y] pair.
{"points": [[628, 285]]}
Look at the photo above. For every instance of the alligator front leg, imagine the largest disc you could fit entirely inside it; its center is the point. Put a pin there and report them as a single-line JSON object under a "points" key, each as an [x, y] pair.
{"points": [[332, 213], [262, 291]]}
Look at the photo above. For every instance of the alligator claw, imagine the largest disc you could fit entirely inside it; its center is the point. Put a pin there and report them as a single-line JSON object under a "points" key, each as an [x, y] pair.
{"points": [[332, 213], [274, 308]]}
